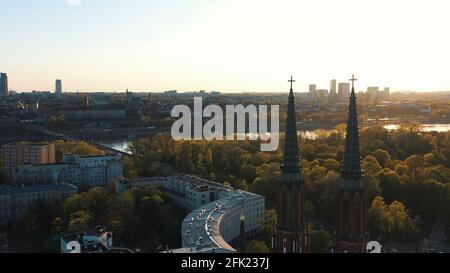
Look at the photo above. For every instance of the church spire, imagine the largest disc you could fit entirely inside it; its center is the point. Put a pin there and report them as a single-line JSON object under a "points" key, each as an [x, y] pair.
{"points": [[290, 236], [242, 233], [351, 171], [291, 164], [351, 221]]}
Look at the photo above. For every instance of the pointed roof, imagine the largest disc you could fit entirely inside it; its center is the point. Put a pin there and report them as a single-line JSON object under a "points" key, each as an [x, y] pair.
{"points": [[291, 163], [351, 169]]}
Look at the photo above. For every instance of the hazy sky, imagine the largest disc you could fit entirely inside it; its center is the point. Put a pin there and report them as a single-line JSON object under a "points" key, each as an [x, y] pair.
{"points": [[224, 45]]}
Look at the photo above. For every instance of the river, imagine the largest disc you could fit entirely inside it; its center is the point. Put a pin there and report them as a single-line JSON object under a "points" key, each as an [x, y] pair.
{"points": [[122, 144]]}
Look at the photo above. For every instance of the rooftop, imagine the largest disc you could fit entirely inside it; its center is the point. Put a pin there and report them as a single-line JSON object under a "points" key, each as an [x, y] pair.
{"points": [[197, 181], [201, 228], [91, 156], [7, 190]]}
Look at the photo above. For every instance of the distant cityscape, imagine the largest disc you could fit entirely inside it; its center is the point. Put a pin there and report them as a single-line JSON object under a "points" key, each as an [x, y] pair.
{"points": [[57, 145], [221, 135]]}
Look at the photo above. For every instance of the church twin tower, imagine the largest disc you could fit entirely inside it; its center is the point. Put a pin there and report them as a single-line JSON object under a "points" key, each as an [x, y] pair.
{"points": [[291, 235]]}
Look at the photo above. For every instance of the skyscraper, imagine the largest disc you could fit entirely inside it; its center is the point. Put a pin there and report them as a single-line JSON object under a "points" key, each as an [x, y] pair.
{"points": [[290, 236], [58, 87], [312, 90], [3, 85], [344, 90], [351, 220], [333, 88]]}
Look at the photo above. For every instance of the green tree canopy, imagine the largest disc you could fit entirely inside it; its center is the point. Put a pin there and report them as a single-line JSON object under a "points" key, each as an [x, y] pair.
{"points": [[320, 241], [257, 247]]}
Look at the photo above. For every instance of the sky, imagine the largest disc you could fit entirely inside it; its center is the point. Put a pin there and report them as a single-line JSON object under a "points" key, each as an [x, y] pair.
{"points": [[224, 45]]}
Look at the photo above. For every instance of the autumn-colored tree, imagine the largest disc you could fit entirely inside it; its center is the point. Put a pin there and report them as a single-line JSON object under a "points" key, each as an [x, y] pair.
{"points": [[382, 157], [79, 221], [379, 219], [370, 165], [75, 147]]}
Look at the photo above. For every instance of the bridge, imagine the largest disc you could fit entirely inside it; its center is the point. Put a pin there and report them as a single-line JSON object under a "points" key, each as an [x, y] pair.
{"points": [[59, 136]]}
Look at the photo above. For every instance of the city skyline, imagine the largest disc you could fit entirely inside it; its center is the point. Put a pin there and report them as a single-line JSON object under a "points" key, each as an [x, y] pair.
{"points": [[58, 89], [225, 46]]}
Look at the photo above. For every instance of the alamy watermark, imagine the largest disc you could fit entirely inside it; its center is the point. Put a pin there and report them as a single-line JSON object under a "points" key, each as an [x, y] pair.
{"points": [[236, 117]]}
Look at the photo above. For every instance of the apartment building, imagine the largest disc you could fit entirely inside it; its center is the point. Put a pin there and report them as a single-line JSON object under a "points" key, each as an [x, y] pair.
{"points": [[18, 153]]}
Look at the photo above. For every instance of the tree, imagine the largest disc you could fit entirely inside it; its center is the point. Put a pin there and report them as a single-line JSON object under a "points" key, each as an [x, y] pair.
{"points": [[438, 173], [320, 241], [308, 152], [261, 158], [323, 196], [382, 156], [372, 188], [31, 232], [391, 186], [129, 169], [392, 221], [412, 143], [237, 183], [374, 138], [370, 165], [433, 199], [268, 225], [151, 241], [331, 165], [144, 120], [59, 123], [79, 221], [379, 218], [413, 162], [402, 224], [401, 169], [267, 182], [257, 247], [75, 147]]}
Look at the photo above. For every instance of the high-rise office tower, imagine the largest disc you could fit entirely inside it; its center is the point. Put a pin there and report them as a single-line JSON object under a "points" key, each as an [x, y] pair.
{"points": [[372, 94], [333, 88], [312, 90], [386, 94], [58, 87], [344, 91], [3, 85]]}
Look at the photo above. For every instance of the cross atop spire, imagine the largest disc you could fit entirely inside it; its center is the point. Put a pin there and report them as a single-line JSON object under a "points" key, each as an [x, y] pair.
{"points": [[291, 81], [353, 80]]}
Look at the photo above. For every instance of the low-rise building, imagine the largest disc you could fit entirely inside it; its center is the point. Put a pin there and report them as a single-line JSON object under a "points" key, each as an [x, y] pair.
{"points": [[217, 224], [213, 224], [14, 201], [99, 241], [35, 174], [93, 113], [92, 171]]}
